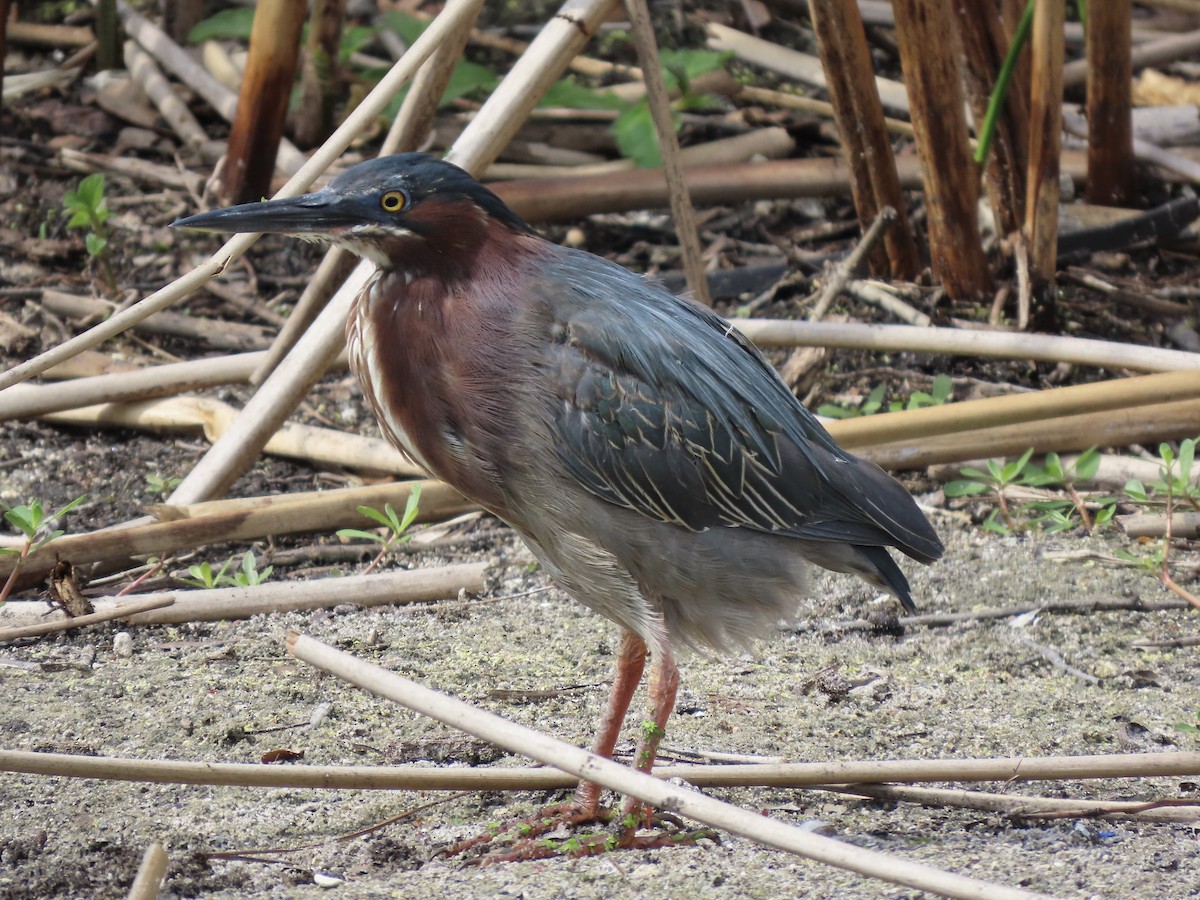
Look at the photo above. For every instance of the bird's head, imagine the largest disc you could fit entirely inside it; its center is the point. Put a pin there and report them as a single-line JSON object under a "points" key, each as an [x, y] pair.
{"points": [[403, 211]]}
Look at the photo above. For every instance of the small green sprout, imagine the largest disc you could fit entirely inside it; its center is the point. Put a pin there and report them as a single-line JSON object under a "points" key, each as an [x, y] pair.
{"points": [[1188, 727], [995, 481], [1174, 482], [29, 520], [162, 486], [940, 392], [88, 209], [251, 575], [396, 525], [204, 577]]}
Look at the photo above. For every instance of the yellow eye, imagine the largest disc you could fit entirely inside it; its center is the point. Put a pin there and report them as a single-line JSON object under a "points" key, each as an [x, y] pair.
{"points": [[393, 201]]}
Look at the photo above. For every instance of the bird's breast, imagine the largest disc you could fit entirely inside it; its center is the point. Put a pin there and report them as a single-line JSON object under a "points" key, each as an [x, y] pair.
{"points": [[427, 355]]}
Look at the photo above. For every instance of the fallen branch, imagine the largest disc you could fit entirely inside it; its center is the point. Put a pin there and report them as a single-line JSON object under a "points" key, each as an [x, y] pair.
{"points": [[1025, 808], [226, 604], [446, 778], [117, 611]]}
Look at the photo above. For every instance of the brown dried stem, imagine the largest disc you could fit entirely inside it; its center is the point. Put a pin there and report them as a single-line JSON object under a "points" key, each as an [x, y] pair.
{"points": [[929, 56], [874, 183], [668, 145]]}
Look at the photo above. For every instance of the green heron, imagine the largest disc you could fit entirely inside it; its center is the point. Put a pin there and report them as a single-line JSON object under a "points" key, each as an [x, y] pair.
{"points": [[647, 453]]}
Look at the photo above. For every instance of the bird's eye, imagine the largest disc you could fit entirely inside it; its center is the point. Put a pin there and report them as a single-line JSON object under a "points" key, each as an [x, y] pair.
{"points": [[393, 201]]}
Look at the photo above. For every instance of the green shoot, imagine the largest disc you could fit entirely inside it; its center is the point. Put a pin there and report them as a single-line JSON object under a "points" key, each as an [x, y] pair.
{"points": [[88, 209], [29, 520], [1188, 727], [204, 577], [1174, 481], [995, 481], [939, 393], [1053, 514], [396, 526], [251, 575], [162, 486]]}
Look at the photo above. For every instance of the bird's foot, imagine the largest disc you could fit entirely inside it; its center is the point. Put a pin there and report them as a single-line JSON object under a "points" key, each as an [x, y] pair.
{"points": [[553, 832], [567, 815]]}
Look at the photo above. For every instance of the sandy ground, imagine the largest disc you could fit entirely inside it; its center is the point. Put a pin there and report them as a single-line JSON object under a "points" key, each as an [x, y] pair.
{"points": [[973, 690]]}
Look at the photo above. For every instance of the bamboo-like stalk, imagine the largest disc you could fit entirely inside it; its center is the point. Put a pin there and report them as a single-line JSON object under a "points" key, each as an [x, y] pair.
{"points": [[1024, 808], [802, 67], [117, 611], [234, 337], [668, 145], [964, 342], [322, 447], [874, 183], [1133, 424], [1041, 202], [193, 526], [987, 32], [920, 424], [31, 618], [318, 73], [150, 873], [24, 401], [1109, 110], [556, 199], [159, 92], [444, 778], [929, 56], [587, 765], [1148, 53], [183, 66]]}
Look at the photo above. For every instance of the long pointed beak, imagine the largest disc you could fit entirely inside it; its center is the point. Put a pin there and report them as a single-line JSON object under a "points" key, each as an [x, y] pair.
{"points": [[321, 213]]}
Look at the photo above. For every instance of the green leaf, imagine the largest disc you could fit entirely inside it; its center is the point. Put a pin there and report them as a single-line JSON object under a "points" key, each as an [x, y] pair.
{"points": [[636, 137], [942, 388], [972, 472], [375, 515], [361, 535], [570, 94], [965, 488], [228, 24], [354, 39], [1135, 489], [22, 518], [680, 67], [411, 508], [1187, 454], [993, 524], [54, 535], [95, 244], [408, 27], [1088, 464]]}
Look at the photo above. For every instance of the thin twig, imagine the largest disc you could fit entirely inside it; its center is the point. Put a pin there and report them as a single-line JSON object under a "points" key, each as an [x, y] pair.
{"points": [[854, 261]]}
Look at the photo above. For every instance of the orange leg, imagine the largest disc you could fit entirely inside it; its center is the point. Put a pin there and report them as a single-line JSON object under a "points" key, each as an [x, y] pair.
{"points": [[631, 660], [663, 685]]}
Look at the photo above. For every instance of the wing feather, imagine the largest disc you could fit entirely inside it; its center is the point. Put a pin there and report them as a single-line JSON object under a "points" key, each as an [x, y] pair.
{"points": [[667, 410]]}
